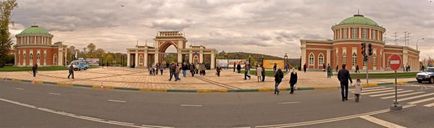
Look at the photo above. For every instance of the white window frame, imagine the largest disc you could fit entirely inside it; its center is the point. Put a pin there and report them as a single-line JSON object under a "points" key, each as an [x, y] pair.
{"points": [[311, 59]]}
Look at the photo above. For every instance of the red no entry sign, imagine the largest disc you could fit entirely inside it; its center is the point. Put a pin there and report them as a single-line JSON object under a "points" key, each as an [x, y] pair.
{"points": [[395, 62]]}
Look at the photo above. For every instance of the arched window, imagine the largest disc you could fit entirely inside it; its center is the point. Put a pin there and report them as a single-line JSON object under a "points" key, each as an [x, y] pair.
{"points": [[31, 56], [320, 59], [311, 59], [344, 58], [374, 59], [354, 59]]}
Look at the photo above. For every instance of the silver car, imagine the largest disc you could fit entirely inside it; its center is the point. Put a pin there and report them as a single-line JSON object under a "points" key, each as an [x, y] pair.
{"points": [[427, 75]]}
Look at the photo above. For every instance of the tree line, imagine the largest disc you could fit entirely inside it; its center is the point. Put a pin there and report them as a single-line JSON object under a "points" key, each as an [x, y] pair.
{"points": [[91, 51]]}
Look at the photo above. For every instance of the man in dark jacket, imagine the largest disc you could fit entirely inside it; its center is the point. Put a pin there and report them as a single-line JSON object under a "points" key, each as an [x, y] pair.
{"points": [[344, 76], [293, 80], [35, 69], [263, 73], [239, 68], [172, 71], [278, 76], [357, 69], [71, 71], [192, 70], [235, 66]]}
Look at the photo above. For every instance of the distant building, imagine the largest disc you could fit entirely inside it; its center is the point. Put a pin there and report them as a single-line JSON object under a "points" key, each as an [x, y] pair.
{"points": [[345, 48], [34, 46]]}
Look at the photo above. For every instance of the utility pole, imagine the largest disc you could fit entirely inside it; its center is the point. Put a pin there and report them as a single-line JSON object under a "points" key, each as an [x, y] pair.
{"points": [[396, 38]]}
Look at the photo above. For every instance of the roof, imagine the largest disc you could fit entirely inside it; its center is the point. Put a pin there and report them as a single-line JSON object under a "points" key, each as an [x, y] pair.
{"points": [[358, 20], [33, 31]]}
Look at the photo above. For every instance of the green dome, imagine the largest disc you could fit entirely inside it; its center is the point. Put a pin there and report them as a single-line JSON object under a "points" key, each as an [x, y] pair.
{"points": [[33, 31], [358, 20]]}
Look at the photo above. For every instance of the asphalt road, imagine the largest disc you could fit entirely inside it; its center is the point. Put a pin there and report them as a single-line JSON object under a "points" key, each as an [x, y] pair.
{"points": [[28, 105]]}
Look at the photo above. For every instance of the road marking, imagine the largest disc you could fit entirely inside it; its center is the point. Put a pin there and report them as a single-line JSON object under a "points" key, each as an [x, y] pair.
{"points": [[94, 119], [381, 122], [379, 92], [423, 100], [372, 90], [385, 94], [191, 105], [289, 102], [57, 94], [429, 105], [408, 94], [414, 97], [19, 88], [117, 101]]}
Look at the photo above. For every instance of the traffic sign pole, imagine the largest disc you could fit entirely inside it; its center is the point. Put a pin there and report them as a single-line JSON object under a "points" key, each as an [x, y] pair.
{"points": [[395, 63]]}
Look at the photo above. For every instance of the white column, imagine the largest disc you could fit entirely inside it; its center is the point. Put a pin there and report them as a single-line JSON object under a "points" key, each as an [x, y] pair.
{"points": [[145, 59], [328, 57], [201, 56], [45, 57], [156, 55], [59, 57], [190, 57], [404, 57], [136, 59], [128, 59], [179, 56], [212, 60]]}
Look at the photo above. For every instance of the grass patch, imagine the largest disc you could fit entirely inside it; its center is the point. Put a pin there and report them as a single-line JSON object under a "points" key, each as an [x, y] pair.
{"points": [[17, 69], [384, 75]]}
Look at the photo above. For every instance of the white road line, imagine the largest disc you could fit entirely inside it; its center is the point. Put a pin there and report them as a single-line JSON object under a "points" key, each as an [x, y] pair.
{"points": [[295, 102], [379, 92], [57, 94], [392, 93], [94, 119], [117, 101], [429, 105], [372, 90], [381, 122], [414, 97], [191, 105], [408, 94], [420, 101], [19, 88]]}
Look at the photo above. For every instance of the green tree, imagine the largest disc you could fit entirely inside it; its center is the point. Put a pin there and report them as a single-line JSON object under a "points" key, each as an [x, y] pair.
{"points": [[6, 8], [90, 50]]}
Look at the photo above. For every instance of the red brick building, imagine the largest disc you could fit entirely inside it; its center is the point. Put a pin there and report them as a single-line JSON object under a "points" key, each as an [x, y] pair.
{"points": [[34, 46], [345, 48]]}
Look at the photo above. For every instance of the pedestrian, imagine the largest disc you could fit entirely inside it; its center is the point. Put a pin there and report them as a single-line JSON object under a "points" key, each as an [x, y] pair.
{"points": [[329, 71], [235, 66], [197, 67], [259, 72], [286, 68], [71, 71], [177, 71], [357, 89], [293, 80], [357, 69], [192, 70], [161, 69], [157, 66], [35, 69], [304, 67], [239, 67], [344, 76], [247, 71], [337, 68], [324, 67], [278, 76], [184, 69], [218, 69], [274, 68], [172, 70], [263, 73]]}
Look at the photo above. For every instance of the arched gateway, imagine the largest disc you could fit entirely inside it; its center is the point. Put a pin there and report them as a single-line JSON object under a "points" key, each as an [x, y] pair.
{"points": [[145, 56]]}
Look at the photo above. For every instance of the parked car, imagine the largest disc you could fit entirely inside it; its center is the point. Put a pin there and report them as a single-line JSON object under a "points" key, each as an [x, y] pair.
{"points": [[427, 75], [80, 65]]}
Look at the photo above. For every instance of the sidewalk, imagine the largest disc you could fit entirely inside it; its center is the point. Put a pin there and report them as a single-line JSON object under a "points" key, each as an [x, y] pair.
{"points": [[139, 79]]}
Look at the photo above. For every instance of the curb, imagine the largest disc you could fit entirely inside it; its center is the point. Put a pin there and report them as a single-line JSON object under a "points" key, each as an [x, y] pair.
{"points": [[99, 87]]}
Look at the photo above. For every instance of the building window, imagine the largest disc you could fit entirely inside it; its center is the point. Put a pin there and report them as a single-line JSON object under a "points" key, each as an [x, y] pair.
{"points": [[320, 59], [344, 58], [374, 59], [141, 59], [311, 59], [354, 33], [55, 59], [31, 56], [354, 59], [345, 33], [364, 33]]}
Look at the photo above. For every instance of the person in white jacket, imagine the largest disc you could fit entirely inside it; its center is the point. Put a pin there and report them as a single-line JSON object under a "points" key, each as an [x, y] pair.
{"points": [[357, 89], [259, 72]]}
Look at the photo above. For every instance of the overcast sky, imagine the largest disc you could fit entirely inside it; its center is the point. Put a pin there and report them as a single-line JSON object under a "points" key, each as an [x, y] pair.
{"points": [[272, 27]]}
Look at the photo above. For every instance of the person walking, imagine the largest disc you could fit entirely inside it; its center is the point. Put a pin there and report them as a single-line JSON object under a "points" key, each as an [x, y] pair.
{"points": [[278, 76], [263, 73], [239, 67], [192, 70], [357, 69], [329, 71], [184, 69], [235, 66], [357, 89], [177, 71], [218, 70], [344, 77], [172, 71], [161, 69], [71, 71], [259, 72], [274, 68], [293, 80], [304, 67], [35, 69], [247, 71]]}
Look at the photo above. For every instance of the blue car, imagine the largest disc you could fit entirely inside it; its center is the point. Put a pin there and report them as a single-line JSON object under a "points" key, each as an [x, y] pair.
{"points": [[79, 65]]}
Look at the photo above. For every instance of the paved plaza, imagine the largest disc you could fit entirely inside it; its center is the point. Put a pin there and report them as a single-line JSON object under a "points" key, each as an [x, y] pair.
{"points": [[129, 78]]}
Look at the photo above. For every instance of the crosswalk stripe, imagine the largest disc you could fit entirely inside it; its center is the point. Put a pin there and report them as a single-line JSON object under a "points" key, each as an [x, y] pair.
{"points": [[385, 94], [381, 122], [429, 105], [414, 97], [373, 88], [364, 90], [379, 92], [408, 94], [420, 101]]}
